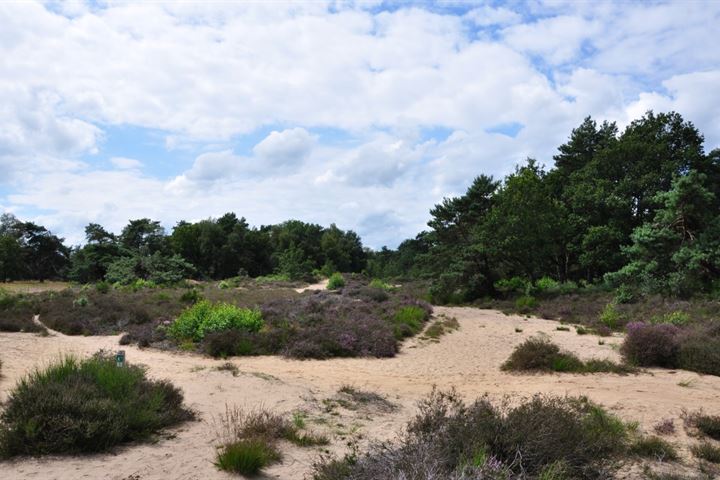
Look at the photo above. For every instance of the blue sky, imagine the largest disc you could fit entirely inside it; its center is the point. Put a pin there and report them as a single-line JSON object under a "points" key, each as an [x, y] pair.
{"points": [[362, 114]]}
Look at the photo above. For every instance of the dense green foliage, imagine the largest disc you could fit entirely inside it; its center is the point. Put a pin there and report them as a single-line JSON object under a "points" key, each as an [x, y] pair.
{"points": [[205, 317], [90, 405], [638, 209]]}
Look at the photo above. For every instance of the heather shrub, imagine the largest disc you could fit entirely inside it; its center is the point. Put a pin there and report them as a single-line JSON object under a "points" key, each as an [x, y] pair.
{"points": [[336, 281], [191, 296], [706, 424], [542, 437], [538, 354], [700, 350], [706, 451], [205, 317], [651, 345], [655, 448], [90, 405]]}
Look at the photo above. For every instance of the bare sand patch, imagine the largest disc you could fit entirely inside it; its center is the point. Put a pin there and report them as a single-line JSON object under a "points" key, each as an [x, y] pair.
{"points": [[468, 359]]}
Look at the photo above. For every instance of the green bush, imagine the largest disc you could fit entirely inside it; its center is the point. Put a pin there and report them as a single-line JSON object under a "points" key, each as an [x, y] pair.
{"points": [[247, 457], [610, 317], [526, 304], [205, 317], [102, 287], [546, 284], [538, 354], [677, 318], [77, 406], [80, 302], [512, 285], [408, 321], [625, 294], [224, 285], [336, 281], [377, 283]]}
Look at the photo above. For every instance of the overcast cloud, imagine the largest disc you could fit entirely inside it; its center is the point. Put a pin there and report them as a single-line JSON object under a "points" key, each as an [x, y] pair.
{"points": [[362, 114]]}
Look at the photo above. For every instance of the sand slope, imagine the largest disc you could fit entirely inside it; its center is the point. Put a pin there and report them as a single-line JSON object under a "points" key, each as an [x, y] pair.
{"points": [[467, 359]]}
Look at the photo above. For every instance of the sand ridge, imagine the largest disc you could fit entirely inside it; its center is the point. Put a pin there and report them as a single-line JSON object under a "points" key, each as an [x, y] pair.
{"points": [[467, 359]]}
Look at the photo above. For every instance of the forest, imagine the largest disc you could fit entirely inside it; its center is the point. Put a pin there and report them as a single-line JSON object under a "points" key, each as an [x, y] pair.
{"points": [[636, 211]]}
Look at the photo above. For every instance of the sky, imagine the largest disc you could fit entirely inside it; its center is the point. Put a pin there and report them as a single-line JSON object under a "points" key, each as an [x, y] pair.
{"points": [[362, 114]]}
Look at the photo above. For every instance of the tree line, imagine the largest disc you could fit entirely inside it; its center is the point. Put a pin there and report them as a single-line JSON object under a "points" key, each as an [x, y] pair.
{"points": [[637, 210], [209, 249]]}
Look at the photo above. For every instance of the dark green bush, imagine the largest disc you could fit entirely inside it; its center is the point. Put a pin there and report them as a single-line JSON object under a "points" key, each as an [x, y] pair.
{"points": [[102, 287], [538, 354], [78, 406], [707, 424], [650, 345]]}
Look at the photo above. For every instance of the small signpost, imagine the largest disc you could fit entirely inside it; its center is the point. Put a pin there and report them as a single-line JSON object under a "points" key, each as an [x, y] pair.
{"points": [[120, 358]]}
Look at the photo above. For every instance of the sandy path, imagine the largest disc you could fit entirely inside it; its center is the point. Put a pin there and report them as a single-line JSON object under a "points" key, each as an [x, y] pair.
{"points": [[468, 360], [321, 285]]}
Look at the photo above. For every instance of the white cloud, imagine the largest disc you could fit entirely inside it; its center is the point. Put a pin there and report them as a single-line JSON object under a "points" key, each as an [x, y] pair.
{"points": [[124, 163], [350, 92], [289, 147]]}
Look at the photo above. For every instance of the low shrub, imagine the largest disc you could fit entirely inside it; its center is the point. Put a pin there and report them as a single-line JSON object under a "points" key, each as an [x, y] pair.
{"points": [[650, 345], [538, 354], [610, 317], [90, 405], [205, 317], [526, 304], [546, 284], [512, 285], [336, 281], [191, 296], [665, 427], [377, 283], [700, 350], [246, 457], [706, 424], [706, 451], [408, 321], [539, 438], [103, 287], [248, 439], [655, 448], [677, 318]]}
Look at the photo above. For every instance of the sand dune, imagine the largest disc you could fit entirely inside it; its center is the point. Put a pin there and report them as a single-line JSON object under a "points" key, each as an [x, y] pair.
{"points": [[467, 359]]}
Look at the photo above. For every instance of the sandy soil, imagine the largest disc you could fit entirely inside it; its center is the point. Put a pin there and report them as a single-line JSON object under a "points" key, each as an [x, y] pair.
{"points": [[321, 285], [467, 359]]}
